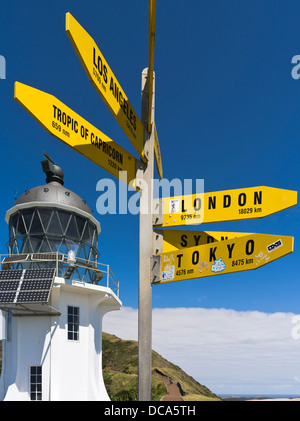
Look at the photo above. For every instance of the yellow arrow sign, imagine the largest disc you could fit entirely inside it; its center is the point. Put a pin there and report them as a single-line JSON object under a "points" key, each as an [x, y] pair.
{"points": [[157, 154], [152, 16], [227, 205], [69, 127], [247, 252], [174, 240], [106, 84]]}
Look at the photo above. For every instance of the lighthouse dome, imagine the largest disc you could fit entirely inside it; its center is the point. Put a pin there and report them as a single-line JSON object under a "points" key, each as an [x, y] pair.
{"points": [[54, 193]]}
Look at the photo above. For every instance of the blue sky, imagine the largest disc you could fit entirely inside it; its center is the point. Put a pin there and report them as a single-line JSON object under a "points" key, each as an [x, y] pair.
{"points": [[227, 110]]}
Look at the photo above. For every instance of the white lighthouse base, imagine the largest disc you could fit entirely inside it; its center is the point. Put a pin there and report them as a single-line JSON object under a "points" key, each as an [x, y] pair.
{"points": [[51, 357]]}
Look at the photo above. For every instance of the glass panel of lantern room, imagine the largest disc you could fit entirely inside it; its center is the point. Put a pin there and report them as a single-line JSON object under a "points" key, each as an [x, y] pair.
{"points": [[36, 225], [81, 223], [72, 229], [13, 221], [27, 216], [24, 245], [34, 244], [20, 244], [54, 226], [62, 248], [45, 215], [45, 246], [85, 234], [64, 218], [21, 225]]}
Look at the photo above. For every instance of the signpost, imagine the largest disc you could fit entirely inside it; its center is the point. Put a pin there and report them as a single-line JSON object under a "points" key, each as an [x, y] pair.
{"points": [[221, 206], [164, 255], [145, 255], [69, 127], [246, 252]]}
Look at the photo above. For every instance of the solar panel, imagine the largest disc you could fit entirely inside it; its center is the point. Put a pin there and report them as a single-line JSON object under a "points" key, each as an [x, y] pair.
{"points": [[36, 284], [9, 285], [39, 273], [15, 258], [33, 296], [7, 297], [26, 286], [11, 274], [42, 256]]}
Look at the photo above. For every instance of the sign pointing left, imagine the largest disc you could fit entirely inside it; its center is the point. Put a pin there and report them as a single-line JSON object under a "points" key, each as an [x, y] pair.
{"points": [[246, 252], [69, 127]]}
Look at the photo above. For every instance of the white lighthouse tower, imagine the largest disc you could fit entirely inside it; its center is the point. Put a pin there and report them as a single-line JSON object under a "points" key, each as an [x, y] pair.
{"points": [[53, 296]]}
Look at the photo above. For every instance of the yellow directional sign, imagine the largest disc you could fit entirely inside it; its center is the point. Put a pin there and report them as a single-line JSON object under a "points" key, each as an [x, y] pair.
{"points": [[246, 252], [227, 205], [152, 16], [106, 84], [69, 127], [174, 240], [157, 154]]}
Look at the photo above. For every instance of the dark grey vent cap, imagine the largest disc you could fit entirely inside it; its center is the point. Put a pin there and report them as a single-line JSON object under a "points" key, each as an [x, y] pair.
{"points": [[53, 171], [54, 192]]}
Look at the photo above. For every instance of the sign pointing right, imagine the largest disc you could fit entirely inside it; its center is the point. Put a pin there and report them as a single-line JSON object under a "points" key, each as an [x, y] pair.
{"points": [[220, 206], [247, 252]]}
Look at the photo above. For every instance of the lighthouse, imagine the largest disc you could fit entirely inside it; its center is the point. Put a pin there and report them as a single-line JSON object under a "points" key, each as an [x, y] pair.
{"points": [[53, 296]]}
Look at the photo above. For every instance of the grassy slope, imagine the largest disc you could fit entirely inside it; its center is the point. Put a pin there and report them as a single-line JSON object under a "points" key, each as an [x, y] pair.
{"points": [[120, 367]]}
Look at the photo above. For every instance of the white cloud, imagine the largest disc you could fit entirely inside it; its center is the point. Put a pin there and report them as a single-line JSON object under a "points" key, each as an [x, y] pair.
{"points": [[226, 350]]}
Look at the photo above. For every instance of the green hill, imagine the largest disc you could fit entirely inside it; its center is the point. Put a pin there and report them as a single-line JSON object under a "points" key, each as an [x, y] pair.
{"points": [[120, 368]]}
